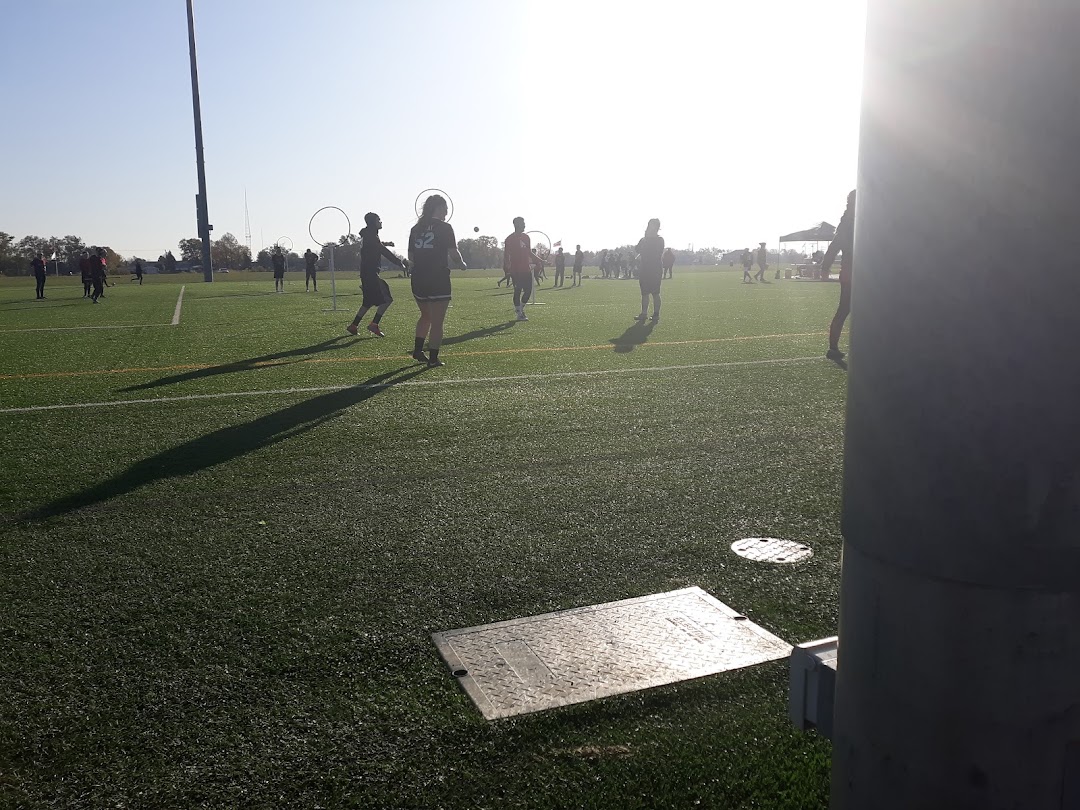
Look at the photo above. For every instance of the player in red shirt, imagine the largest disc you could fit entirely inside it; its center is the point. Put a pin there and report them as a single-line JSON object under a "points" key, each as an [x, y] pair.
{"points": [[517, 261]]}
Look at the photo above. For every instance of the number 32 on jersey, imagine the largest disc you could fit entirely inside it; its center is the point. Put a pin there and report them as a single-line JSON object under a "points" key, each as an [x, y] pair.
{"points": [[424, 241]]}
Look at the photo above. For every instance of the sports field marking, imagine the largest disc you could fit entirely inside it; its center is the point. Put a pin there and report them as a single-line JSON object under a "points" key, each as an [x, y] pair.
{"points": [[179, 303], [175, 322], [529, 350], [463, 381]]}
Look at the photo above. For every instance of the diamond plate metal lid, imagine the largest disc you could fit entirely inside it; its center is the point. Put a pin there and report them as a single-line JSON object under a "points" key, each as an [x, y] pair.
{"points": [[573, 656], [770, 549]]}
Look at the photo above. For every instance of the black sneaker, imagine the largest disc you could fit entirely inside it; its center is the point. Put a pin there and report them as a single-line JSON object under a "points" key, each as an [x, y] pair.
{"points": [[420, 357], [640, 319], [435, 362], [655, 319], [834, 354]]}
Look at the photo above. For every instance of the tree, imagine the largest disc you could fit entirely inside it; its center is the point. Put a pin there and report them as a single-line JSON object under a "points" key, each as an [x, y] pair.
{"points": [[482, 252], [227, 252], [9, 264], [191, 250]]}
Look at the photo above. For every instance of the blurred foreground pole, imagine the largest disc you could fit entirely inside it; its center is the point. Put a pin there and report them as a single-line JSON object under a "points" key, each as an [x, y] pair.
{"points": [[959, 677]]}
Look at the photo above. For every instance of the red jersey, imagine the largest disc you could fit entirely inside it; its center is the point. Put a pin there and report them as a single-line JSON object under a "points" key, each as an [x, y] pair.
{"points": [[517, 254]]}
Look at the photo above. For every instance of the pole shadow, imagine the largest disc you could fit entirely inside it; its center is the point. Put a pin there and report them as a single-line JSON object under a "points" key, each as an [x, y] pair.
{"points": [[228, 443], [634, 336], [243, 365], [487, 331]]}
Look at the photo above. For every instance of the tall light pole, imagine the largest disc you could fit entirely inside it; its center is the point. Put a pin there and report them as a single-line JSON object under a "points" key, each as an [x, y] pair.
{"points": [[959, 670], [201, 210]]}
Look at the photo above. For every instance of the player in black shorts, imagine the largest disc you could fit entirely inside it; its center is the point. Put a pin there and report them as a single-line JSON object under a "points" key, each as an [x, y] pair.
{"points": [[843, 242], [651, 250], [376, 291], [560, 268], [277, 259], [579, 260], [311, 265], [432, 247]]}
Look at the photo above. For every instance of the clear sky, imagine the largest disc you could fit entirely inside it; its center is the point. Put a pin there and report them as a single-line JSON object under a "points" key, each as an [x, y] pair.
{"points": [[732, 122]]}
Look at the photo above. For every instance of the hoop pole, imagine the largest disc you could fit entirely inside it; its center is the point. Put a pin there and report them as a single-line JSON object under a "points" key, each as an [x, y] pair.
{"points": [[333, 285]]}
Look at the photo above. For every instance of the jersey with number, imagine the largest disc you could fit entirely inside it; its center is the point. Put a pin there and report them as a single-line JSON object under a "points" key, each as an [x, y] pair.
{"points": [[517, 254], [651, 249], [430, 241]]}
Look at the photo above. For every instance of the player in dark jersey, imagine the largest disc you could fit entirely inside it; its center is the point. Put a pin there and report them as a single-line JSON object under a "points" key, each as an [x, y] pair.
{"points": [[762, 263], [311, 265], [97, 274], [85, 270], [560, 268], [138, 271], [277, 259], [843, 242], [38, 266], [747, 266], [579, 260], [669, 262], [376, 290], [432, 247], [517, 261], [651, 250], [538, 267]]}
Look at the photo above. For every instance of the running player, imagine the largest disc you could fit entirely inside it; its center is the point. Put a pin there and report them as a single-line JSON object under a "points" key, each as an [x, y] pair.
{"points": [[762, 263], [97, 274], [278, 261], [517, 258], [538, 268], [376, 290], [651, 250], [560, 267], [38, 266], [432, 246], [138, 271], [311, 265], [669, 262], [579, 260], [747, 266], [843, 242]]}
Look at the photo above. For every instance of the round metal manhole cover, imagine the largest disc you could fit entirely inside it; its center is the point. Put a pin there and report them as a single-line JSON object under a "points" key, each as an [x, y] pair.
{"points": [[770, 549]]}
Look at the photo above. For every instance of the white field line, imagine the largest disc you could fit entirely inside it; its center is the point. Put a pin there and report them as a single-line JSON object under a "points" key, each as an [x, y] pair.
{"points": [[179, 303], [175, 322], [464, 381]]}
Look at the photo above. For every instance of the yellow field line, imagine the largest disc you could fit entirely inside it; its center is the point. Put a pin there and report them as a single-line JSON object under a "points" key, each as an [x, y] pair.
{"points": [[240, 364]]}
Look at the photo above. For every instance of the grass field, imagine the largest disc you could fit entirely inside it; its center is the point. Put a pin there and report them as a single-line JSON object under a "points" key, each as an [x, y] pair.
{"points": [[220, 593]]}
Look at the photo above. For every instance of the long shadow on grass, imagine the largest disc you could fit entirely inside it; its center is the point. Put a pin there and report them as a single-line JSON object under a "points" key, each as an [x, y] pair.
{"points": [[242, 365], [632, 337], [229, 443], [487, 331]]}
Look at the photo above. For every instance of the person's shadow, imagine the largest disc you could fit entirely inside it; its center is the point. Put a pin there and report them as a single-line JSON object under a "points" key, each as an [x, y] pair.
{"points": [[228, 443], [244, 365], [634, 336], [487, 331]]}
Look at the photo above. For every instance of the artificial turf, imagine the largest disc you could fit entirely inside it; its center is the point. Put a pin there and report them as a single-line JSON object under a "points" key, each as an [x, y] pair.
{"points": [[227, 601]]}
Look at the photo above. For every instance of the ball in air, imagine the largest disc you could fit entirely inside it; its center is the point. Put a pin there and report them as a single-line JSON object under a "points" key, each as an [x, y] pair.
{"points": [[476, 229]]}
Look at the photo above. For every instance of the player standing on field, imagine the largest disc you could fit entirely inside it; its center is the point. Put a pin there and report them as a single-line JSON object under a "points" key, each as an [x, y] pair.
{"points": [[517, 261], [432, 245], [85, 268], [747, 265], [311, 265], [97, 274], [278, 261], [376, 290], [138, 271], [843, 242], [651, 250], [669, 262], [579, 260], [38, 266], [560, 267]]}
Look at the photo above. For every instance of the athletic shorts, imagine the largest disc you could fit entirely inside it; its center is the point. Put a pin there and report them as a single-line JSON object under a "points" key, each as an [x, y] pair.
{"points": [[431, 285], [310, 274], [376, 292], [279, 274], [649, 284]]}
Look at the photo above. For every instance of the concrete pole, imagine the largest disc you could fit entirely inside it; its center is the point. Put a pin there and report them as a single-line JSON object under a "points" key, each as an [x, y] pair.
{"points": [[959, 677]]}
